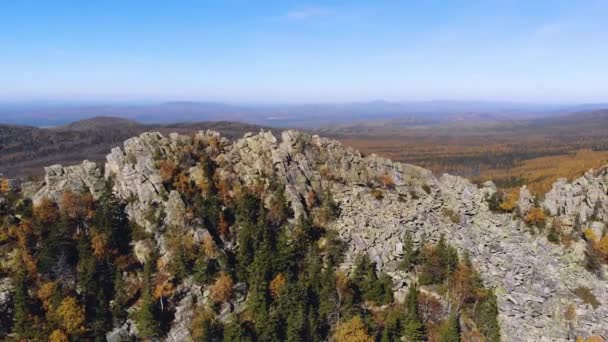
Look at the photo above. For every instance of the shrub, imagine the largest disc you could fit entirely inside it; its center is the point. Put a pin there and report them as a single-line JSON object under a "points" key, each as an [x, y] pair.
{"points": [[426, 188], [377, 194], [535, 217], [570, 312], [586, 296], [387, 181], [510, 201], [453, 216]]}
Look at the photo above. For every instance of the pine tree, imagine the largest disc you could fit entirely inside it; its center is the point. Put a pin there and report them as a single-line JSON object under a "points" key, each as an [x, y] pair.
{"points": [[486, 317], [413, 328], [20, 317], [147, 326], [450, 331], [409, 253]]}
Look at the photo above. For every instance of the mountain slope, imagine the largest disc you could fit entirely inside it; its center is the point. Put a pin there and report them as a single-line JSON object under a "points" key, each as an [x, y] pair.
{"points": [[380, 203]]}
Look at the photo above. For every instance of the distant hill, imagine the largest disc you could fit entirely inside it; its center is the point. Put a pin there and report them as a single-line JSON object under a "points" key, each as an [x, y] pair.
{"points": [[24, 150], [313, 115]]}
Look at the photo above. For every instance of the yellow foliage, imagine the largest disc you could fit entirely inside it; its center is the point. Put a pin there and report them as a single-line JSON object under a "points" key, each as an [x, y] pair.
{"points": [[221, 291], [277, 285], [163, 286], [510, 201], [209, 246], [590, 234], [99, 242], [71, 315], [198, 322], [535, 217], [58, 336], [602, 245], [45, 292], [352, 330]]}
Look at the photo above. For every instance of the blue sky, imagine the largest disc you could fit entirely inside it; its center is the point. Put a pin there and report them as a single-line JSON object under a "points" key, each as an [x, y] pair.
{"points": [[295, 51]]}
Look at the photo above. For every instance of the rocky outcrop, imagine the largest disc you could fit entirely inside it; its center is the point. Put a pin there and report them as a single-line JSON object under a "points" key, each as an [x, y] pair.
{"points": [[380, 202], [85, 177], [582, 200]]}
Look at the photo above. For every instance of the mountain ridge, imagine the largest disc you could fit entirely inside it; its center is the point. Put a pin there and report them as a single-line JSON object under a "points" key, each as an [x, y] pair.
{"points": [[535, 280]]}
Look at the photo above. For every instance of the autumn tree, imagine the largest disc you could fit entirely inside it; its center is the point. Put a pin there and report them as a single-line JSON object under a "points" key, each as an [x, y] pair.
{"points": [[352, 330], [221, 291], [46, 211], [277, 285], [71, 316]]}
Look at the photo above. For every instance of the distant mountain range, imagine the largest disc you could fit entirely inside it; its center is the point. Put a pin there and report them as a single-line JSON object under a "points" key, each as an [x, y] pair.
{"points": [[304, 115], [24, 150]]}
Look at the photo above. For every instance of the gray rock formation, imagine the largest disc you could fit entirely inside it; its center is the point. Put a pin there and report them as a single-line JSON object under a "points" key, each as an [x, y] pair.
{"points": [[85, 177], [585, 199]]}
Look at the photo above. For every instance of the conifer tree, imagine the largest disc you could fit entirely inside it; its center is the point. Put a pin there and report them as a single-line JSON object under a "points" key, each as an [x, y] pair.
{"points": [[147, 326], [413, 328], [409, 253], [20, 317], [487, 317], [450, 331]]}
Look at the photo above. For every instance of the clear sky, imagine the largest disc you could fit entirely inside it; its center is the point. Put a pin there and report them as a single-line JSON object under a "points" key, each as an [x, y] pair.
{"points": [[295, 51]]}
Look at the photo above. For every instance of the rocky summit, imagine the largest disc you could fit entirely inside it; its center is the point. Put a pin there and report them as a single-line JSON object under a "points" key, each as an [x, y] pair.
{"points": [[537, 282]]}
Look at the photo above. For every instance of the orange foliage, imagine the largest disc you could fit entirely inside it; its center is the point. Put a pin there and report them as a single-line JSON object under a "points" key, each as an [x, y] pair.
{"points": [[167, 169], [221, 290], [99, 243], [182, 183], [223, 227], [77, 206], [387, 181], [46, 211], [535, 217], [462, 284], [277, 285]]}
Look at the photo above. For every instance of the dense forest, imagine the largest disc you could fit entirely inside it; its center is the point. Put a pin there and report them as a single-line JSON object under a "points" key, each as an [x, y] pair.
{"points": [[79, 268]]}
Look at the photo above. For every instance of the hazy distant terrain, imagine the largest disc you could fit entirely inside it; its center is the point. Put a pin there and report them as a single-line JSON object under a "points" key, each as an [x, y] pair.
{"points": [[287, 115], [532, 151], [512, 153], [25, 150]]}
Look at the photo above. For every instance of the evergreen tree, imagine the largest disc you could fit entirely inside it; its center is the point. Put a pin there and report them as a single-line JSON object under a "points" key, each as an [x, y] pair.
{"points": [[413, 328], [486, 317], [409, 253], [147, 326], [450, 331], [20, 317]]}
